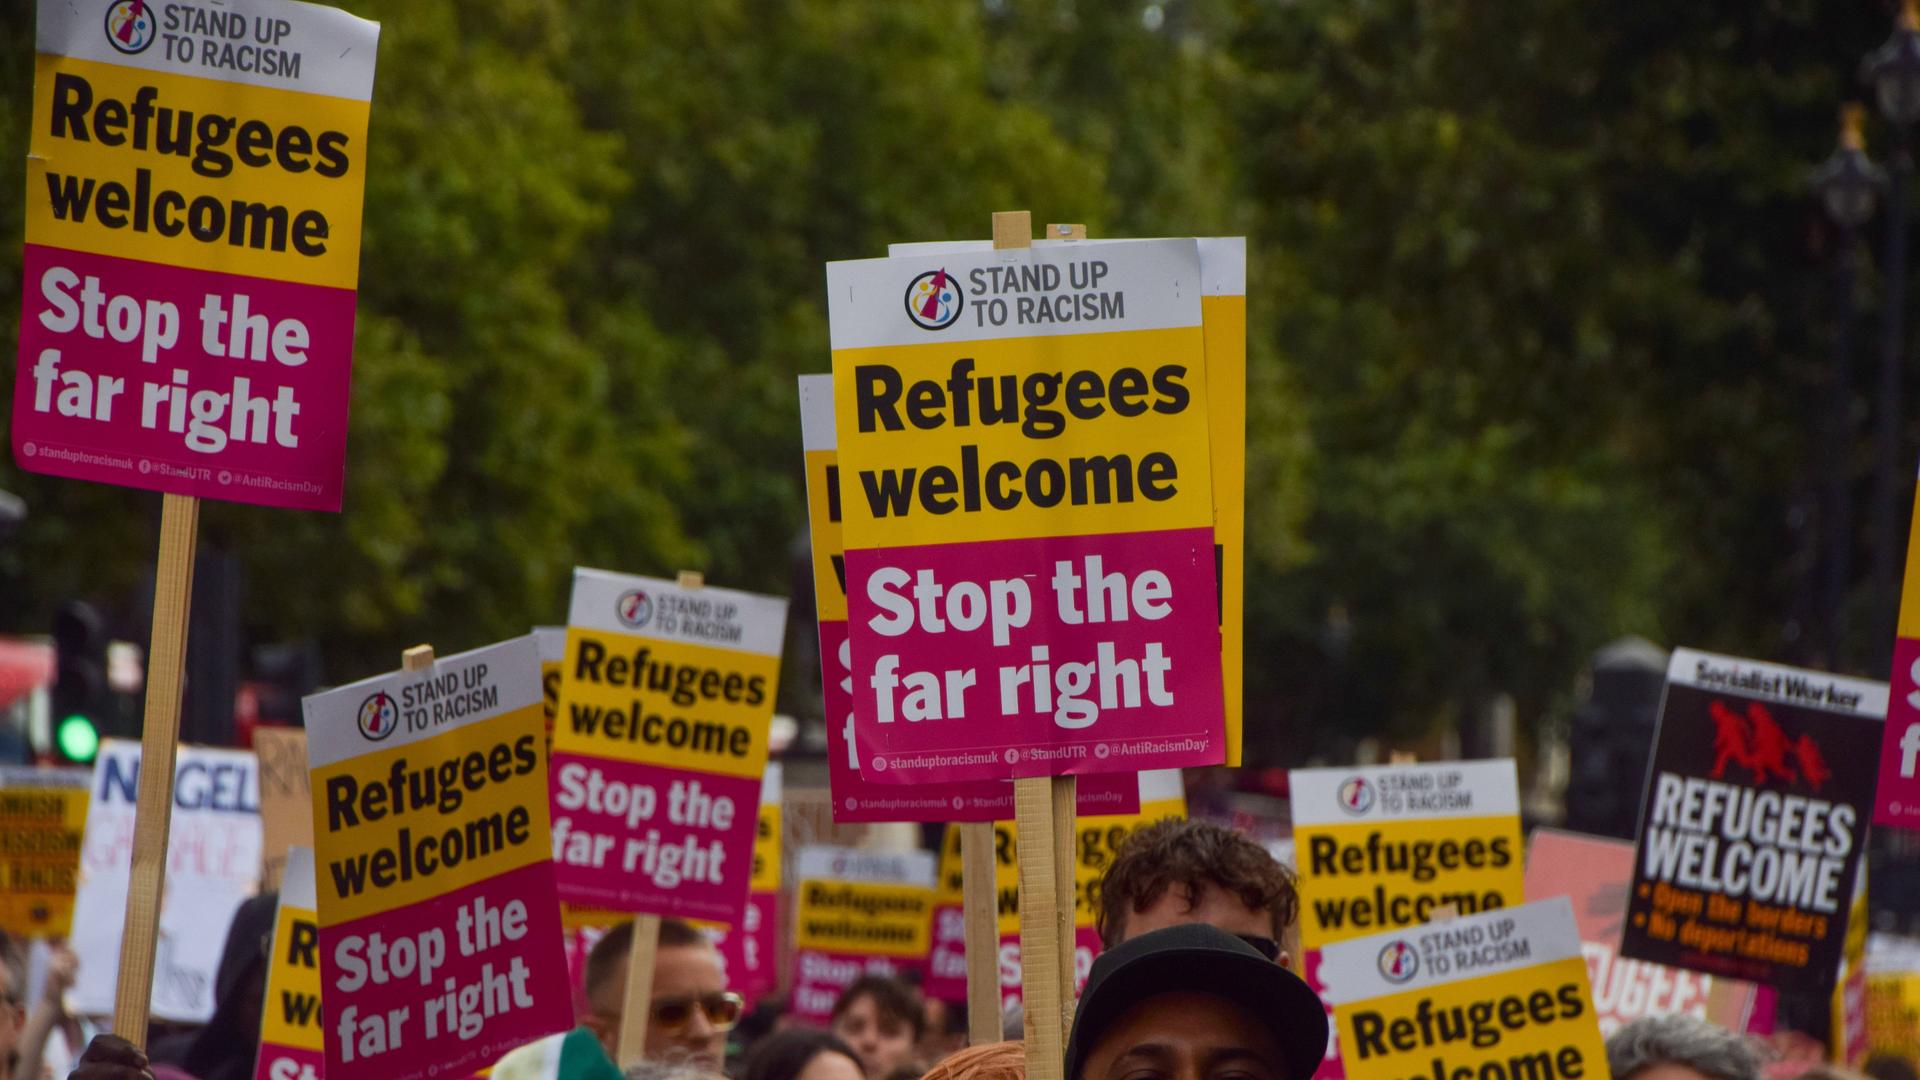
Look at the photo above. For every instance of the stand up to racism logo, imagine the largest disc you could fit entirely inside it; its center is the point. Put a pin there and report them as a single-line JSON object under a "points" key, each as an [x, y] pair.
{"points": [[934, 300]]}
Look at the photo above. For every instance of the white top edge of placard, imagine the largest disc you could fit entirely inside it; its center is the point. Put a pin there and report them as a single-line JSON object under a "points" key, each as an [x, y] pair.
{"points": [[64, 778], [1223, 266], [1161, 785], [1223, 259], [770, 784], [335, 732], [709, 616], [296, 881], [915, 868], [1396, 962], [1778, 682], [1141, 285], [552, 641], [330, 52], [816, 414], [1891, 954], [1375, 793]]}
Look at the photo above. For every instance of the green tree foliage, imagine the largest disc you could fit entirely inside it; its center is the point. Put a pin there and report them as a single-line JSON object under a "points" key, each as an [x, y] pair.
{"points": [[1534, 328]]}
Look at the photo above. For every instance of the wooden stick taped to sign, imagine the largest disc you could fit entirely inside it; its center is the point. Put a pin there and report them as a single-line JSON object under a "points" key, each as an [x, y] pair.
{"points": [[159, 738], [639, 1003], [1065, 798], [1042, 922], [1064, 790], [981, 912]]}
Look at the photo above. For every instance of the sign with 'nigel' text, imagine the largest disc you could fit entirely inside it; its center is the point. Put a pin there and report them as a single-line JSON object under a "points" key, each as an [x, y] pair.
{"points": [[213, 863]]}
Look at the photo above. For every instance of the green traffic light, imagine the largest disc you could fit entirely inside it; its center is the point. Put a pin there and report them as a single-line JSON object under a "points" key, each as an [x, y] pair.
{"points": [[79, 740]]}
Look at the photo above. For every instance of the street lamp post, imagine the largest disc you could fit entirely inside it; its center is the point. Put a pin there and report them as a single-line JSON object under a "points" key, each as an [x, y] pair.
{"points": [[1847, 184], [1894, 71]]}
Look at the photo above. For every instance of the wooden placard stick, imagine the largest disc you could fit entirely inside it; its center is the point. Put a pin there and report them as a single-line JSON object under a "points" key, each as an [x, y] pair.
{"points": [[1037, 837], [639, 1002], [980, 904], [1065, 801], [159, 739], [981, 912], [637, 1008]]}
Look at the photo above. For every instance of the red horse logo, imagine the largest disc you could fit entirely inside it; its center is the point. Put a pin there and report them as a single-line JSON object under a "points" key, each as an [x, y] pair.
{"points": [[1756, 744]]}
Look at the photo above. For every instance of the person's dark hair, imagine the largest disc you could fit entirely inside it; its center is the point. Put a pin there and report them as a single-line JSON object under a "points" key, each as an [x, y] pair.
{"points": [[607, 954], [784, 1055], [1678, 1039], [953, 1019], [1192, 856], [1890, 1067], [891, 997]]}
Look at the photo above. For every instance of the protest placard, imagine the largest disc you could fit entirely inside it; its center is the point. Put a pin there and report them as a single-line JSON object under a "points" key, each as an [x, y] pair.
{"points": [[192, 248], [946, 976], [1383, 846], [1753, 820], [1594, 875], [194, 185], [666, 694], [292, 1038], [552, 641], [1893, 997], [439, 921], [213, 864], [855, 798], [43, 821], [751, 947], [1042, 414], [1223, 320], [286, 800], [1897, 802], [1501, 995], [856, 913]]}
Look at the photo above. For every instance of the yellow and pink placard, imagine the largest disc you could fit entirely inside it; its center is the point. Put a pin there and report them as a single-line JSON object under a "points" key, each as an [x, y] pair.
{"points": [[660, 744], [194, 187], [439, 921], [1027, 511], [292, 1038], [855, 798]]}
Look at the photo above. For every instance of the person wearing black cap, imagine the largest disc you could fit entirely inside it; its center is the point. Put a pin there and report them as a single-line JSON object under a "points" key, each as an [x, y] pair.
{"points": [[1194, 1002]]}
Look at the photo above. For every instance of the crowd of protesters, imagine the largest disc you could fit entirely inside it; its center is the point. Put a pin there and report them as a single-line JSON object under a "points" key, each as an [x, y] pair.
{"points": [[1195, 983]]}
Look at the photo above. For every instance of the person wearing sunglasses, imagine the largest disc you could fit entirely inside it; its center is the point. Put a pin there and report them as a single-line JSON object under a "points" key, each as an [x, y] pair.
{"points": [[687, 1023], [1181, 871]]}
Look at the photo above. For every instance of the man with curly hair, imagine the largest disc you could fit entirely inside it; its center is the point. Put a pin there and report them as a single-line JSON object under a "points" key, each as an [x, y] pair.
{"points": [[1182, 871]]}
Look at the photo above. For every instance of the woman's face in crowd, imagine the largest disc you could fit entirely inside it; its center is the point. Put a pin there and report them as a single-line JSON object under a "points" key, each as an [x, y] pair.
{"points": [[884, 1042]]}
